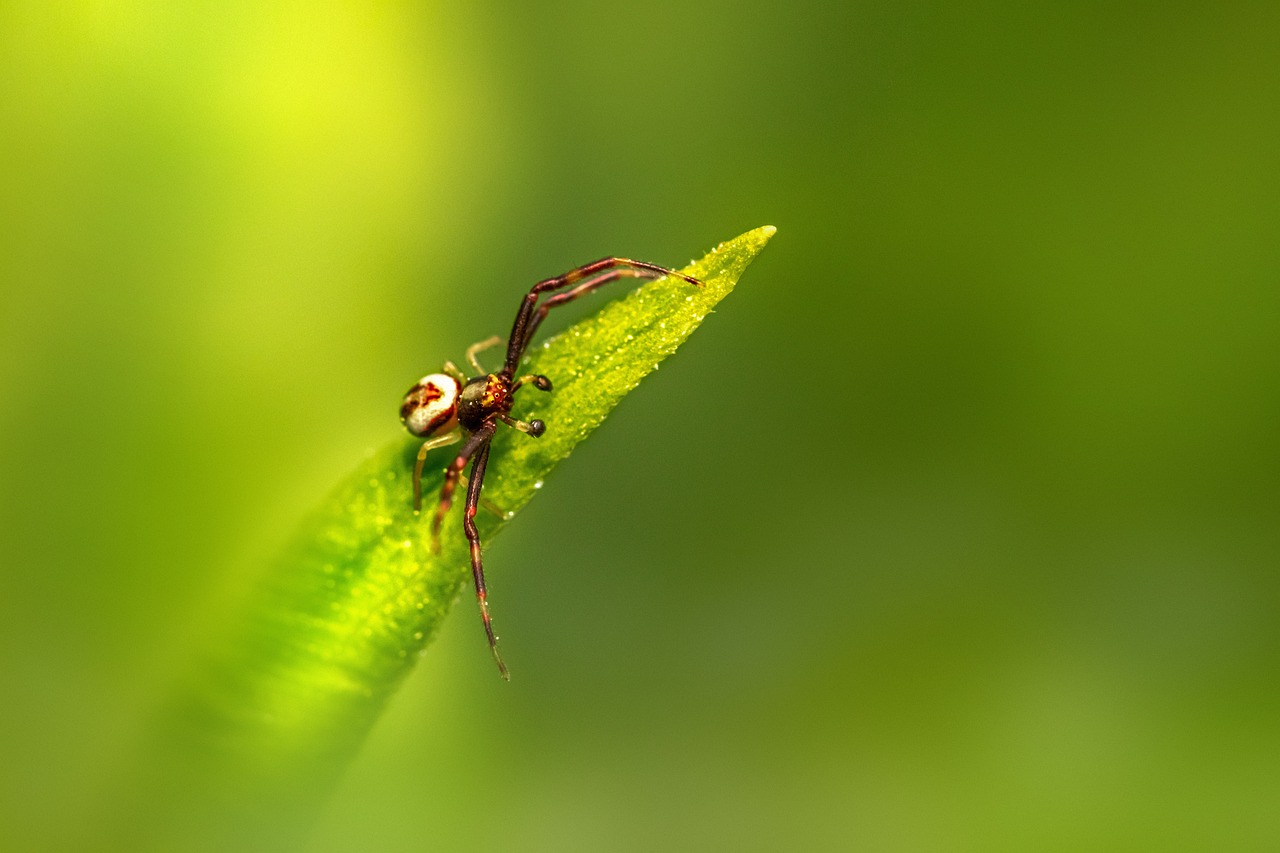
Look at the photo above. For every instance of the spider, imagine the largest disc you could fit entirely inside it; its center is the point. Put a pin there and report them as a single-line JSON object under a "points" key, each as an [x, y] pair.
{"points": [[447, 407]]}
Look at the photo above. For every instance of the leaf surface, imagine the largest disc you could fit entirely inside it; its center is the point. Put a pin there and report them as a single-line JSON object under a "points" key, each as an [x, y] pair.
{"points": [[340, 619]]}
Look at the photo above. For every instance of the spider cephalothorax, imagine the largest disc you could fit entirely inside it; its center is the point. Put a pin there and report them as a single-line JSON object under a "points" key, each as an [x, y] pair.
{"points": [[484, 397], [444, 408]]}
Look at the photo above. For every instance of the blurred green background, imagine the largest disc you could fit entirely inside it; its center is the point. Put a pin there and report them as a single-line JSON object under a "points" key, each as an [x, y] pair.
{"points": [[954, 529]]}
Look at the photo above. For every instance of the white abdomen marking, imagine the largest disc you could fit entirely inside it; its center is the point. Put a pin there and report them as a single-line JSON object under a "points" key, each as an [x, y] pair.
{"points": [[431, 406]]}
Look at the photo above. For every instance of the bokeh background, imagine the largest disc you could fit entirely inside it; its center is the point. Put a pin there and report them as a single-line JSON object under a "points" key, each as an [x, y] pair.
{"points": [[954, 529]]}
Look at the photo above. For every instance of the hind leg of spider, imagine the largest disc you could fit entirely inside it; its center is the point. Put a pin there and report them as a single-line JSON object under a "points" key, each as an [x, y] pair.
{"points": [[477, 565], [451, 474], [427, 446], [477, 348], [452, 369]]}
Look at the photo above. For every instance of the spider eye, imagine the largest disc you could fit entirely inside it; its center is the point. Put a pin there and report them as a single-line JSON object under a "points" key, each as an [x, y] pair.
{"points": [[431, 406]]}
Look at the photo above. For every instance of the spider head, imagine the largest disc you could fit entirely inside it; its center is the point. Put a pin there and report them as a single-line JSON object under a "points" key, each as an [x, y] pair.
{"points": [[431, 406]]}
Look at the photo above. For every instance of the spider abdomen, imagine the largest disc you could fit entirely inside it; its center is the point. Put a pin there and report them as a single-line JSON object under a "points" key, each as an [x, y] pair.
{"points": [[431, 406]]}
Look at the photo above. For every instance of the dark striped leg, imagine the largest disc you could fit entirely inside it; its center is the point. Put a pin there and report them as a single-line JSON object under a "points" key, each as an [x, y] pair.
{"points": [[473, 444], [484, 502], [569, 295], [520, 335], [477, 566]]}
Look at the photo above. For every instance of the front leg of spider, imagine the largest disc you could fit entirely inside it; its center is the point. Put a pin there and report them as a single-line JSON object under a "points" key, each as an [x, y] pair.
{"points": [[477, 564], [451, 476], [443, 407]]}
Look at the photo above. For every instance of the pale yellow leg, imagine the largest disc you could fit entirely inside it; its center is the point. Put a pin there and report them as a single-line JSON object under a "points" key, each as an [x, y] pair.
{"points": [[452, 369], [427, 446], [476, 349]]}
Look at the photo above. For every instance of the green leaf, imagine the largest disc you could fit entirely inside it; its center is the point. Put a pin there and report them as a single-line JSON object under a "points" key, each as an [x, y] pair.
{"points": [[342, 617]]}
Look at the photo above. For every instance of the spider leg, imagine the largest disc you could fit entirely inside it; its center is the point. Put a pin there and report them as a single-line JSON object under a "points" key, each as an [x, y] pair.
{"points": [[473, 537], [484, 502], [569, 295], [537, 380], [475, 349], [534, 428], [452, 369], [428, 445], [474, 442], [520, 333]]}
